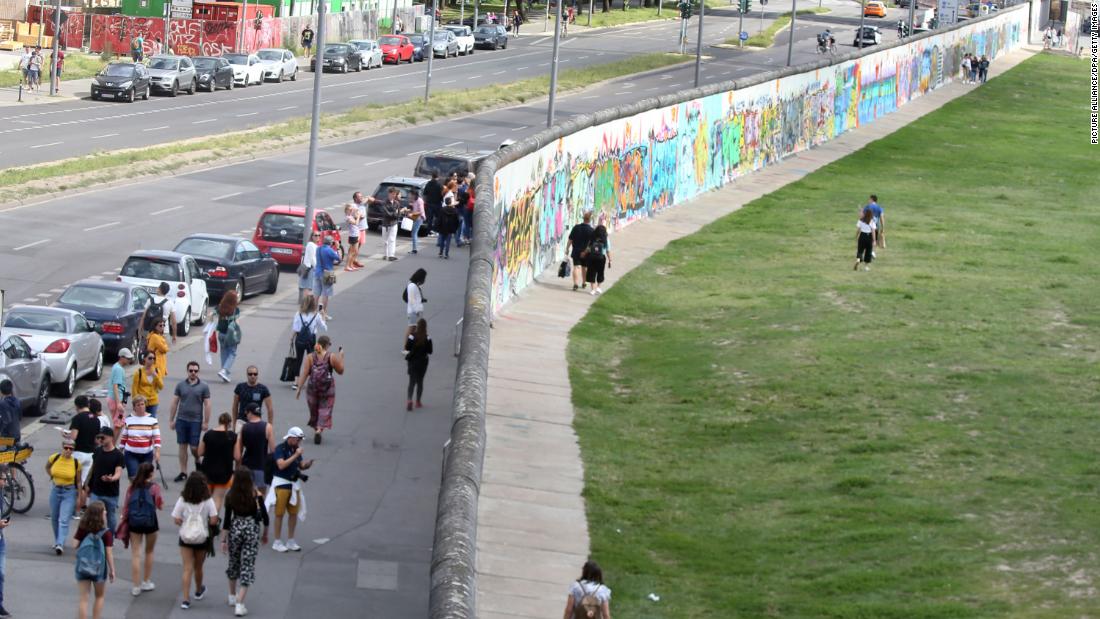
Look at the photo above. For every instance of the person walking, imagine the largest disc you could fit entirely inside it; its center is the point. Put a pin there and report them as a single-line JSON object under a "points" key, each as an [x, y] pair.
{"points": [[64, 472], [516, 21], [447, 223], [252, 391], [307, 266], [159, 307], [351, 217], [190, 416], [83, 430], [307, 40], [865, 240], [974, 68], [34, 73], [157, 345], [216, 451], [194, 514], [361, 208], [25, 65], [588, 596], [58, 67], [416, 214], [140, 438], [106, 469], [325, 276], [147, 383], [241, 536], [285, 494], [414, 296], [418, 346], [321, 388], [579, 238], [140, 526], [433, 198], [878, 221], [255, 442], [95, 561], [4, 524], [307, 322], [229, 332], [596, 257], [462, 205], [965, 68]]}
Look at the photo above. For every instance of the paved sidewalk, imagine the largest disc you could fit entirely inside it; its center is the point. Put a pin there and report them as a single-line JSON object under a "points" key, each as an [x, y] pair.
{"points": [[532, 536], [71, 90]]}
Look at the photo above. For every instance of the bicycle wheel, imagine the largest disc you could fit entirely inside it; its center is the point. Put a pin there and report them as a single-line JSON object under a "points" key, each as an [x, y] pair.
{"points": [[22, 489], [9, 496]]}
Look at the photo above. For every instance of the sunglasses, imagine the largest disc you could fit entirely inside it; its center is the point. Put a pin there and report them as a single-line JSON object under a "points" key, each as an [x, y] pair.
{"points": [[253, 373], [66, 449]]}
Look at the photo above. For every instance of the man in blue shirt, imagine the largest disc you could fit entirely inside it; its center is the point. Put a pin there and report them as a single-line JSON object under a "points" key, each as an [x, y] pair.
{"points": [[11, 411], [880, 222], [327, 259], [286, 494]]}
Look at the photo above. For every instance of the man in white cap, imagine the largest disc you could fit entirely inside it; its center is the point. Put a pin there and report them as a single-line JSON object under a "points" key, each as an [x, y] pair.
{"points": [[116, 390], [285, 493]]}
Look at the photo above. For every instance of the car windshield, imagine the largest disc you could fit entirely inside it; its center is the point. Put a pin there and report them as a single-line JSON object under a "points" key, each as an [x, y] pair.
{"points": [[236, 58], [270, 54], [383, 192], [205, 63], [390, 41], [207, 248], [335, 49], [457, 30], [90, 296], [118, 70], [282, 228], [38, 321], [171, 64], [486, 30], [417, 39], [441, 36], [149, 268]]}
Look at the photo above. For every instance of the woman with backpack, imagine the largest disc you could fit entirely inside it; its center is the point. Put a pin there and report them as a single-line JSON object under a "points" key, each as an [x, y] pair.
{"points": [[194, 513], [303, 334], [597, 256], [216, 451], [321, 390], [64, 472], [414, 296], [95, 561], [147, 382], [139, 521], [229, 332], [588, 597], [241, 537], [417, 348]]}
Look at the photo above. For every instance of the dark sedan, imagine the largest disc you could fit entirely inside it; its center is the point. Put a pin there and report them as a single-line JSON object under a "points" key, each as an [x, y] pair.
{"points": [[121, 80], [230, 263], [213, 73], [340, 57], [382, 193], [419, 43], [491, 36], [114, 309]]}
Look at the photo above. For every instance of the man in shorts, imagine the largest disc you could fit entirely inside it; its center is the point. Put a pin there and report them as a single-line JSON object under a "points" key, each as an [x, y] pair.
{"points": [[286, 493], [579, 238], [190, 415], [34, 72]]}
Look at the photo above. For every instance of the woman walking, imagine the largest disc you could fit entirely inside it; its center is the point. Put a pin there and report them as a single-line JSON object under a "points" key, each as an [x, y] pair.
{"points": [[241, 537], [351, 216], [156, 344], [147, 383], [321, 390], [414, 296], [447, 223], [305, 269], [229, 332], [597, 256], [139, 520], [417, 215], [194, 514], [307, 322], [92, 569], [64, 471], [140, 438], [216, 451], [417, 348], [865, 242], [589, 595]]}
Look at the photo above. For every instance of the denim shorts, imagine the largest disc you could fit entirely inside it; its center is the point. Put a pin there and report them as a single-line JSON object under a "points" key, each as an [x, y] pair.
{"points": [[188, 432]]}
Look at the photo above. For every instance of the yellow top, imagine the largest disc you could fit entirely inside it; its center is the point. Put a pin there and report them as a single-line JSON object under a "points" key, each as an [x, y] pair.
{"points": [[147, 385], [159, 347], [64, 470]]}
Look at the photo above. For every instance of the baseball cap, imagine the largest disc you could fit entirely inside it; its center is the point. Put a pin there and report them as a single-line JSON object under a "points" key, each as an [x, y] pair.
{"points": [[126, 352], [294, 432]]}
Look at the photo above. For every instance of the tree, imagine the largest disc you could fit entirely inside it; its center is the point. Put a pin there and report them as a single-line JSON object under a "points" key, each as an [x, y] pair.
{"points": [[606, 6]]}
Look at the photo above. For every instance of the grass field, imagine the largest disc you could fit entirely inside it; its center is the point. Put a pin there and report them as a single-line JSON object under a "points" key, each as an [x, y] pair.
{"points": [[767, 433], [77, 66], [766, 37]]}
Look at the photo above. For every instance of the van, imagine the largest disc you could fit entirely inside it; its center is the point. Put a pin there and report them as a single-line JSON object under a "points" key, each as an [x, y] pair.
{"points": [[447, 161]]}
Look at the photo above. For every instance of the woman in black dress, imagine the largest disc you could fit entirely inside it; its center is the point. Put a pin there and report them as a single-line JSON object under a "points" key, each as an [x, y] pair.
{"points": [[417, 348]]}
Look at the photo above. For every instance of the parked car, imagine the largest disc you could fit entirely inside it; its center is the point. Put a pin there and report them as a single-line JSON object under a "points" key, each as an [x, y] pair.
{"points": [[63, 338], [469, 21], [113, 309], [396, 48], [121, 80], [382, 192], [247, 69], [213, 72], [230, 263], [279, 64], [370, 51], [280, 228], [28, 372], [871, 36], [419, 43], [171, 73], [491, 36], [339, 57], [874, 9], [464, 38], [445, 44], [150, 267], [446, 161]]}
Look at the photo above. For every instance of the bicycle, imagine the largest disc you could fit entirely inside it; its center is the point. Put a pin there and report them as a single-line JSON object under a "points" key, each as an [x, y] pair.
{"points": [[19, 485]]}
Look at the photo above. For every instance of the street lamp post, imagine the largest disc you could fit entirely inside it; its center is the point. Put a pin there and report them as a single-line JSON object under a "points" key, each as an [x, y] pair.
{"points": [[912, 10], [462, 14], [862, 17], [393, 24], [554, 67], [431, 54], [314, 128], [591, 4], [699, 42], [790, 37]]}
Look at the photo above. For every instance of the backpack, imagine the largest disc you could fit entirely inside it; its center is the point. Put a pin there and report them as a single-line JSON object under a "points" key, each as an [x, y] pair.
{"points": [[589, 606], [140, 511], [135, 45], [194, 529], [320, 374], [595, 248], [305, 338], [153, 313], [91, 557]]}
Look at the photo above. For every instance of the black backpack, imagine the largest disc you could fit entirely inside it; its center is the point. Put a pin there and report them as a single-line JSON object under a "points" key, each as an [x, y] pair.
{"points": [[153, 313], [305, 338], [595, 248]]}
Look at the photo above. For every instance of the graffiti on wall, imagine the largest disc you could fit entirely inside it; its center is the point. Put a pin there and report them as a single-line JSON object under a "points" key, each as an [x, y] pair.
{"points": [[630, 168]]}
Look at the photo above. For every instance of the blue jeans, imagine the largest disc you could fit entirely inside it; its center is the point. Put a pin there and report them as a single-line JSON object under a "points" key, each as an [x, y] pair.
{"points": [[3, 566], [227, 353], [416, 230], [112, 509], [468, 224], [152, 409], [134, 460], [444, 244], [62, 504]]}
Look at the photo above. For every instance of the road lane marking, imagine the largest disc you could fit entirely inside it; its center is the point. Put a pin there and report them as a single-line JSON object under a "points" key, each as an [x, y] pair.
{"points": [[329, 172], [520, 128], [30, 299], [413, 154], [500, 73], [56, 290], [283, 109], [386, 92], [247, 114], [165, 210], [45, 145], [105, 135], [44, 295], [228, 195], [109, 272], [374, 162], [102, 226], [452, 144], [155, 128], [448, 81], [520, 68], [199, 122], [487, 135], [326, 101], [29, 245], [278, 183], [360, 96]]}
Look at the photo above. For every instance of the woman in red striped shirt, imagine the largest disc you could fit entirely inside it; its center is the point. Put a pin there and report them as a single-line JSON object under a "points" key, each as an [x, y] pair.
{"points": [[140, 438]]}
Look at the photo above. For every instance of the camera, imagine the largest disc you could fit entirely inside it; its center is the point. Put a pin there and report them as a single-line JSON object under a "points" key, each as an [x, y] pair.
{"points": [[301, 476], [124, 394]]}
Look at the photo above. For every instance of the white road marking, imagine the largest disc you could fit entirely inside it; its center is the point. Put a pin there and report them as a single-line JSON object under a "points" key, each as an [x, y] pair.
{"points": [[45, 145], [166, 210], [102, 226], [28, 245], [500, 73], [95, 277], [625, 92], [413, 154], [155, 128], [199, 122], [30, 299], [105, 135], [520, 68], [487, 135], [359, 96], [247, 114], [108, 272], [329, 172], [374, 162], [520, 128], [596, 96], [448, 81], [386, 92], [228, 195], [283, 109], [279, 183], [326, 101], [475, 77], [56, 290], [43, 295], [452, 144]]}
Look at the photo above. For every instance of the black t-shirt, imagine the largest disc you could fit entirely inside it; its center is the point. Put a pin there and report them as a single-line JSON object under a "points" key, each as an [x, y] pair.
{"points": [[433, 193], [247, 394], [87, 427], [254, 445], [104, 463], [217, 458], [581, 236]]}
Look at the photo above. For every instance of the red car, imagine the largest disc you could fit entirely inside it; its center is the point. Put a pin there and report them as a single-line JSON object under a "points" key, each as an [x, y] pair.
{"points": [[396, 48], [279, 232]]}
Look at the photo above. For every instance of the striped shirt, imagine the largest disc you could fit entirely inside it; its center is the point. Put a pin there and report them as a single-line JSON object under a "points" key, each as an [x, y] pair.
{"points": [[140, 435]]}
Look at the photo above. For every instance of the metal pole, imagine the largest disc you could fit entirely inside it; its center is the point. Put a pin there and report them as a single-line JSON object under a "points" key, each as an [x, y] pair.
{"points": [[167, 18], [56, 38], [912, 14], [431, 54], [699, 42], [475, 13], [554, 67], [590, 3], [462, 14], [393, 24], [315, 127], [41, 21], [761, 18], [240, 34], [659, 3], [790, 38], [862, 17], [740, 26]]}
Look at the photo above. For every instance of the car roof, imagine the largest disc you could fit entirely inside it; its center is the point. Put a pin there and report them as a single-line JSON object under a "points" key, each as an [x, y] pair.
{"points": [[205, 57], [404, 180], [454, 153], [172, 56], [99, 283], [157, 254], [43, 308], [212, 237], [284, 209], [272, 49]]}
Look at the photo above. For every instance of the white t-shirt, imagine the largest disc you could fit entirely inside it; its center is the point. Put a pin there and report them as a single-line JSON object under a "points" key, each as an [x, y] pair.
{"points": [[362, 219], [206, 509], [315, 320], [309, 257], [416, 302], [602, 593], [865, 227], [166, 310]]}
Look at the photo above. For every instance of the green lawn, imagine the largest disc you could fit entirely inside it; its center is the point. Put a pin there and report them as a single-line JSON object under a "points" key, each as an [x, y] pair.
{"points": [[766, 37], [77, 66], [616, 17], [767, 433]]}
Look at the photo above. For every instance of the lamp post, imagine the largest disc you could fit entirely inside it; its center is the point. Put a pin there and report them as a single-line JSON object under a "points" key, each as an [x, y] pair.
{"points": [[790, 38], [431, 55], [314, 128], [862, 17], [699, 42], [56, 38], [554, 67], [912, 12]]}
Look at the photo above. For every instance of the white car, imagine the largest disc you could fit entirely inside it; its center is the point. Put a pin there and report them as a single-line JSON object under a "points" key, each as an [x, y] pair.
{"points": [[279, 64], [464, 37], [187, 291], [247, 69], [370, 51], [64, 340]]}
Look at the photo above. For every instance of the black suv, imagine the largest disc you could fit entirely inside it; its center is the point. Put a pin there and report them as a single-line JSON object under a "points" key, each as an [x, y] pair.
{"points": [[491, 36], [446, 161], [121, 80]]}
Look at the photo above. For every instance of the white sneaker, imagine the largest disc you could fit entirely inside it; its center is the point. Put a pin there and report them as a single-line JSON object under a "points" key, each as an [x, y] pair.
{"points": [[224, 375], [293, 545], [232, 600], [240, 610], [592, 292], [136, 591], [148, 585], [279, 546]]}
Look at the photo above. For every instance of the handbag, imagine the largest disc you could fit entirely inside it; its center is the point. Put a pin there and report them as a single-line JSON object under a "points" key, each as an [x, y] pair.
{"points": [[303, 270], [407, 224], [328, 278], [214, 340], [292, 365]]}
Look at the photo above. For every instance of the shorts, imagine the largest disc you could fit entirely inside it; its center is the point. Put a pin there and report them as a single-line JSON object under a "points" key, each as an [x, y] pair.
{"points": [[414, 317], [305, 282], [258, 478], [85, 460], [577, 260], [57, 71], [319, 289], [32, 74], [226, 486], [282, 502], [353, 241], [188, 432]]}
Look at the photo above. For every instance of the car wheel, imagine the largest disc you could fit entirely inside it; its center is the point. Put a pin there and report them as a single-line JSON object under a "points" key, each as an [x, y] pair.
{"points": [[175, 89], [42, 402], [231, 84], [239, 289], [470, 51], [146, 95], [194, 87], [273, 281], [244, 84], [294, 76], [133, 96], [344, 69], [97, 371], [67, 388], [184, 327], [202, 314], [281, 78]]}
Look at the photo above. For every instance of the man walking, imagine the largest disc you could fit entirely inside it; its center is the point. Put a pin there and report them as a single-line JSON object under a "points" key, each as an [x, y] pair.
{"points": [[116, 390], [327, 259], [83, 430], [254, 442], [106, 470], [433, 198], [879, 221], [286, 488], [579, 238], [307, 39], [25, 65], [11, 411], [983, 69], [252, 392], [190, 416], [34, 72]]}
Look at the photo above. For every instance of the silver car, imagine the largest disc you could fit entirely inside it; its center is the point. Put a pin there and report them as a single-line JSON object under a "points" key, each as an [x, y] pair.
{"points": [[171, 73], [370, 51], [444, 44], [29, 374], [63, 339]]}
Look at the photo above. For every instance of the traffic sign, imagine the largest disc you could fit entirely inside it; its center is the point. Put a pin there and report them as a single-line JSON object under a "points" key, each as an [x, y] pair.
{"points": [[744, 36]]}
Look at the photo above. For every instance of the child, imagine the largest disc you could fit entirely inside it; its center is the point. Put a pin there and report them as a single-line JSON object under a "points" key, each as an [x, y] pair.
{"points": [[94, 523]]}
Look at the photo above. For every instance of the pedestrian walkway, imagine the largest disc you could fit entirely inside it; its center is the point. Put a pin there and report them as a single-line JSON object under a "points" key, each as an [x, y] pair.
{"points": [[71, 90], [532, 536]]}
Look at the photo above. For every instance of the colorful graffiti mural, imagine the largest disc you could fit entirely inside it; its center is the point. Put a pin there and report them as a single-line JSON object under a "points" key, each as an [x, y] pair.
{"points": [[630, 168]]}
